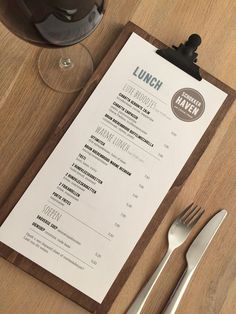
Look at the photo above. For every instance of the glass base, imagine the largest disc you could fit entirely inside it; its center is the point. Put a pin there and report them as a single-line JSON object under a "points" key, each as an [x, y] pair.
{"points": [[66, 69]]}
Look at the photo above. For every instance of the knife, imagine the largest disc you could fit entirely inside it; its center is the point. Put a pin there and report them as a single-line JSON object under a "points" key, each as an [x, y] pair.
{"points": [[193, 257]]}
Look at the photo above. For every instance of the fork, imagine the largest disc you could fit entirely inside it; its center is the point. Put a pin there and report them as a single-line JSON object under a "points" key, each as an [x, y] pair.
{"points": [[177, 234]]}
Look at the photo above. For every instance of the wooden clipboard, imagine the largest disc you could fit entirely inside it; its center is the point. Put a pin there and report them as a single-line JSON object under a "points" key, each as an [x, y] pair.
{"points": [[45, 276]]}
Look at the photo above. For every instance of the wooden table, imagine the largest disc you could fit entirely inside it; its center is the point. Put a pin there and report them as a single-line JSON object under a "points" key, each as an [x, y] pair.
{"points": [[29, 111]]}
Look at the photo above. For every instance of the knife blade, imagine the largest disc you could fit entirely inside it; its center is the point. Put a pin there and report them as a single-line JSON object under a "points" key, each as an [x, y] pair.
{"points": [[193, 257]]}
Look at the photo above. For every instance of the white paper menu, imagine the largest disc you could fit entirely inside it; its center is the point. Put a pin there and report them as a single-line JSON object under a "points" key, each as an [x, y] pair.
{"points": [[90, 203]]}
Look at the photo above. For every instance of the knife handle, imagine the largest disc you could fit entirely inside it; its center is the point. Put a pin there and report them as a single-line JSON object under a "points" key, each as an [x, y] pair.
{"points": [[177, 294]]}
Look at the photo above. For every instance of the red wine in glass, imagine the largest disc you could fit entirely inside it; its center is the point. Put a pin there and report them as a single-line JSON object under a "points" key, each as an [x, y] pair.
{"points": [[56, 24]]}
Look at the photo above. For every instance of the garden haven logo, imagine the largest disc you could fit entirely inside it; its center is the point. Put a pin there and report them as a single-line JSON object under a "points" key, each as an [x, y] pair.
{"points": [[188, 104]]}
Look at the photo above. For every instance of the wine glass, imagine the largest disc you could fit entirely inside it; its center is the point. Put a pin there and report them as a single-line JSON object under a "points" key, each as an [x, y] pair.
{"points": [[56, 24]]}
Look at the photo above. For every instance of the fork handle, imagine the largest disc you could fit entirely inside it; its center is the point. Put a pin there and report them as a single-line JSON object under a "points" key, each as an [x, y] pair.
{"points": [[178, 293], [138, 304]]}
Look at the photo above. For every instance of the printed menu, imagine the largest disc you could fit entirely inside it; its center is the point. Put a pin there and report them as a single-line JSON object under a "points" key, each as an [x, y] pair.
{"points": [[90, 203]]}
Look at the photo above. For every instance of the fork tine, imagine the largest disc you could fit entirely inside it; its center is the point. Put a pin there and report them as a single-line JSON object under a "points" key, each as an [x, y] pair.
{"points": [[197, 217], [181, 215], [191, 214]]}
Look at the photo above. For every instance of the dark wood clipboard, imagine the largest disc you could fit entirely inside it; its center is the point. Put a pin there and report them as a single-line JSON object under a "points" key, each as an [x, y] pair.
{"points": [[42, 274]]}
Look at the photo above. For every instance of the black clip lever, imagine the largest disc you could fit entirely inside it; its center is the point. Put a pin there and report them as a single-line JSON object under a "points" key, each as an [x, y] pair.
{"points": [[184, 56]]}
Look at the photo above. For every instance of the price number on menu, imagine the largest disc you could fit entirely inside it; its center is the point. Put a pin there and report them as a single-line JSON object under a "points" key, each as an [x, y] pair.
{"points": [[129, 206], [96, 258]]}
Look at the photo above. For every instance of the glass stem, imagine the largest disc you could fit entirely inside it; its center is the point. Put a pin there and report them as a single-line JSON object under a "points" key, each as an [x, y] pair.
{"points": [[65, 62]]}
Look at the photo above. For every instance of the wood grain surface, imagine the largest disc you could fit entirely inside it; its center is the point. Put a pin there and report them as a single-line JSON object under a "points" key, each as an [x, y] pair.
{"points": [[29, 112]]}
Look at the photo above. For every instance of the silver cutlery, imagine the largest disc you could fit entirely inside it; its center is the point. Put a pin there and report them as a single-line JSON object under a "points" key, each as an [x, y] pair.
{"points": [[177, 234], [194, 256]]}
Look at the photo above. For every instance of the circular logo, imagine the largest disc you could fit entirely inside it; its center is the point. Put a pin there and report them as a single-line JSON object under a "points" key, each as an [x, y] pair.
{"points": [[188, 104]]}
